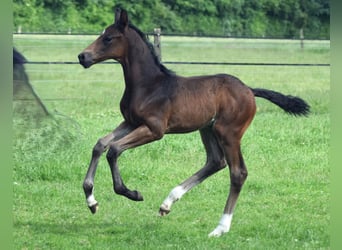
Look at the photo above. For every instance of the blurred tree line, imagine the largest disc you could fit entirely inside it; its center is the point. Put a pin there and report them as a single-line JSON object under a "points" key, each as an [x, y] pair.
{"points": [[246, 18]]}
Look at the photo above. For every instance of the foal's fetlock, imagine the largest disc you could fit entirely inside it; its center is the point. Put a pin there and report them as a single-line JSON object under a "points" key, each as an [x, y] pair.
{"points": [[88, 186]]}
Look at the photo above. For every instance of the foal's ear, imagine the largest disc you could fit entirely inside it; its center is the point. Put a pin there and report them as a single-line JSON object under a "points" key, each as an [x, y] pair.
{"points": [[124, 18], [117, 13], [121, 17]]}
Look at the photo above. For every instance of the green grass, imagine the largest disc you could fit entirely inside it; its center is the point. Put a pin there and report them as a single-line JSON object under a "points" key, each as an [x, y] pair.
{"points": [[283, 205]]}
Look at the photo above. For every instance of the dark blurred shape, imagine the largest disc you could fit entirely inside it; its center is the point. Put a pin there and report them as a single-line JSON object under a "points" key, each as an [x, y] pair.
{"points": [[25, 100]]}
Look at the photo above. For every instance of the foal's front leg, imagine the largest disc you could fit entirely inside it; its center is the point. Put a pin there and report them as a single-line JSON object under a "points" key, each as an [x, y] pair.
{"points": [[100, 147], [137, 137]]}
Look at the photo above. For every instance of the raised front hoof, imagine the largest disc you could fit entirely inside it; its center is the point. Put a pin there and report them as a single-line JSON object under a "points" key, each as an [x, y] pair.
{"points": [[132, 195], [94, 208], [138, 196]]}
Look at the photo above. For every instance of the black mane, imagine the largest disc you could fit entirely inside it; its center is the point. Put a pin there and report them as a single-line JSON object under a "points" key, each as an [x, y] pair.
{"points": [[144, 37]]}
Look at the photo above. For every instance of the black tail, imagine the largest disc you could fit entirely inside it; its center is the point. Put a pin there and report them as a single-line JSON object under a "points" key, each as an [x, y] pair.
{"points": [[291, 104]]}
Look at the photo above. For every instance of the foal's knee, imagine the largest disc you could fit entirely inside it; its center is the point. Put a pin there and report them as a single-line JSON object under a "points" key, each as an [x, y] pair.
{"points": [[98, 149]]}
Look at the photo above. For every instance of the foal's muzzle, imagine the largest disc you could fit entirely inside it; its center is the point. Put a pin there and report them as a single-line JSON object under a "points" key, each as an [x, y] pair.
{"points": [[85, 59]]}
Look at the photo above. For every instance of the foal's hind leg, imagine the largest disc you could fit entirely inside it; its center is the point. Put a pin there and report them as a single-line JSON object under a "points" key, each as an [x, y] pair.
{"points": [[238, 175], [215, 162]]}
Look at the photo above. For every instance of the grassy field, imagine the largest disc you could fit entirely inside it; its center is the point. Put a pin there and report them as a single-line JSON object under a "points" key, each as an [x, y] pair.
{"points": [[284, 203]]}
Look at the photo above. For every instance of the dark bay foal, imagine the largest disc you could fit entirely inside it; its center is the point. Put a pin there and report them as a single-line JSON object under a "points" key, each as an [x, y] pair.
{"points": [[156, 102]]}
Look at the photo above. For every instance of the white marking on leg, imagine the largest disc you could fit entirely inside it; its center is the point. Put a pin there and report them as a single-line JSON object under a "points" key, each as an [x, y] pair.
{"points": [[174, 196], [91, 200], [223, 226]]}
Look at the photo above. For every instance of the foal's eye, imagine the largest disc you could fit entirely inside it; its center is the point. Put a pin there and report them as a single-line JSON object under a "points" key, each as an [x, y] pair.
{"points": [[107, 39]]}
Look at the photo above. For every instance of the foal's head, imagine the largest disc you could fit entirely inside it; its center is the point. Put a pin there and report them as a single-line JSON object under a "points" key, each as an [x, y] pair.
{"points": [[118, 41], [111, 44]]}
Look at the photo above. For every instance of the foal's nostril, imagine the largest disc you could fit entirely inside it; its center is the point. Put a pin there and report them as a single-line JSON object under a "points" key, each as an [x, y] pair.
{"points": [[81, 57]]}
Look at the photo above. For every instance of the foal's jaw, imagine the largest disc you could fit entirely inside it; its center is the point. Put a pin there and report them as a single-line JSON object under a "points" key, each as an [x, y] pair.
{"points": [[87, 59]]}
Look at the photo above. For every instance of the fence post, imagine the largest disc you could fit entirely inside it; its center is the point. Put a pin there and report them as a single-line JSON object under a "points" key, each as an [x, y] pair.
{"points": [[301, 36], [156, 43]]}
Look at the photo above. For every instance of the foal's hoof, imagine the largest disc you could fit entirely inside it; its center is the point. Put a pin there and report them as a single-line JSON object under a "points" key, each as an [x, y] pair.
{"points": [[135, 196], [138, 196], [163, 211], [94, 208]]}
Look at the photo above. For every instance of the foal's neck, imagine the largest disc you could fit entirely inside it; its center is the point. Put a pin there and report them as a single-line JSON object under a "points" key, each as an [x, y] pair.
{"points": [[139, 65]]}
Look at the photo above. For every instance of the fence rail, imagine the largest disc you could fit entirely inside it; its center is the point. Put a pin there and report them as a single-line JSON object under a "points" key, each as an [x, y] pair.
{"points": [[209, 63], [177, 35]]}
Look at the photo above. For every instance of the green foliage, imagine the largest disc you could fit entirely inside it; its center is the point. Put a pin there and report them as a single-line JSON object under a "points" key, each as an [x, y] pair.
{"points": [[274, 18]]}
